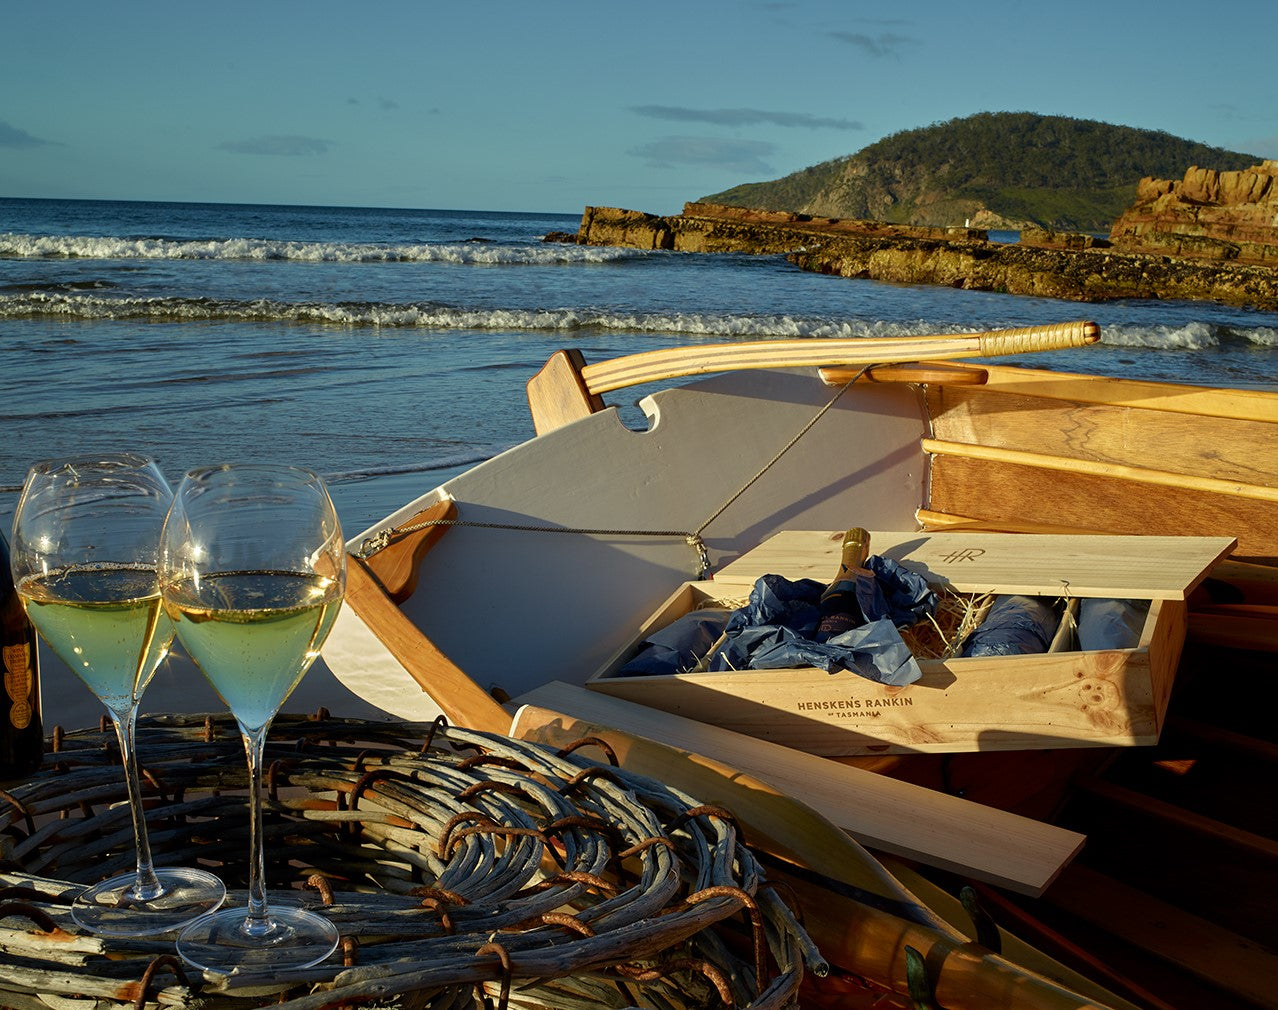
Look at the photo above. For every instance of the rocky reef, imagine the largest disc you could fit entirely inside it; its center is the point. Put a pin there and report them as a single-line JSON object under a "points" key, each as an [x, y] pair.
{"points": [[1045, 264], [1208, 214]]}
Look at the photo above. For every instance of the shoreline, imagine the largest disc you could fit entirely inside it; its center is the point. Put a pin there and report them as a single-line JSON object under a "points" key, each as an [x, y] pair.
{"points": [[1042, 264]]}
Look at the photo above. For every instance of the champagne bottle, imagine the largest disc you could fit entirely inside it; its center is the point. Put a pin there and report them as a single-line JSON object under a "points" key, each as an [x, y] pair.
{"points": [[21, 735], [840, 611]]}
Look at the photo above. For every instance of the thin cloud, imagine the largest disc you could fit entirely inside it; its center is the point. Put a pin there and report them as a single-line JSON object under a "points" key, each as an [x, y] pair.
{"points": [[383, 103], [739, 156], [744, 117], [879, 46], [12, 136], [286, 146], [1238, 114]]}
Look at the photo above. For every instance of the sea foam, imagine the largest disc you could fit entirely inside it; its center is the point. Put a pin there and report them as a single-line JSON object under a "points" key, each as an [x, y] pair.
{"points": [[61, 303], [427, 315], [17, 246]]}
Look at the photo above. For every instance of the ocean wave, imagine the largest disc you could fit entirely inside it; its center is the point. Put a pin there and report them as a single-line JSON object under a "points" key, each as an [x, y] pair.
{"points": [[1261, 336], [15, 246], [1192, 336], [61, 303], [427, 315]]}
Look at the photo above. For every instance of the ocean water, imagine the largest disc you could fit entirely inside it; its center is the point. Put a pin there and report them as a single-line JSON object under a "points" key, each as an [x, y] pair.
{"points": [[388, 349]]}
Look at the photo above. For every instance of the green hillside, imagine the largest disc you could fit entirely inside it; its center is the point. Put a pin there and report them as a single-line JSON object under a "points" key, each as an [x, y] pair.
{"points": [[995, 168]]}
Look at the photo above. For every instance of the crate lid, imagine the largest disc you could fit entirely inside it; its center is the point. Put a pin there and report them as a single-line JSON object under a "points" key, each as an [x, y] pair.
{"points": [[1123, 567]]}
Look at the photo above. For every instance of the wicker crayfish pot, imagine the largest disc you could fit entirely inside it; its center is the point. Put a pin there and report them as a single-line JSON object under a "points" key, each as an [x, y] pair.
{"points": [[459, 867]]}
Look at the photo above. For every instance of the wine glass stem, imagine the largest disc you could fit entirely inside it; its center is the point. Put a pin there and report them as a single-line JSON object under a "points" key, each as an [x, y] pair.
{"points": [[147, 887], [257, 919]]}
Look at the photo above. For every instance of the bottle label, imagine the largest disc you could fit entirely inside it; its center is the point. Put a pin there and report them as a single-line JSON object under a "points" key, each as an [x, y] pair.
{"points": [[836, 624], [18, 684]]}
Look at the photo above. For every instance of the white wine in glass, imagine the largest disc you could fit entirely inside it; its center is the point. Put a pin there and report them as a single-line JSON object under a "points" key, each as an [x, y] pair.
{"points": [[86, 536], [252, 572]]}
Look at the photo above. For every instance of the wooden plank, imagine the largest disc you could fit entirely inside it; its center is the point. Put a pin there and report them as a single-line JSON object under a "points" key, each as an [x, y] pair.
{"points": [[1254, 584], [1208, 951], [1244, 843], [1236, 626], [1239, 746], [396, 565], [1066, 464], [897, 817], [1222, 447], [673, 362], [994, 492], [1141, 567], [933, 522], [460, 698], [1246, 404], [923, 372]]}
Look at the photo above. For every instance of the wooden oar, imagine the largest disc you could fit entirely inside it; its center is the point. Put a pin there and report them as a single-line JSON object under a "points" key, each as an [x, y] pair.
{"points": [[937, 829], [860, 916], [668, 363], [567, 389]]}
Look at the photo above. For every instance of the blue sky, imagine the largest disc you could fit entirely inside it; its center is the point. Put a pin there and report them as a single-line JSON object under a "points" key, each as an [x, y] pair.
{"points": [[549, 105]]}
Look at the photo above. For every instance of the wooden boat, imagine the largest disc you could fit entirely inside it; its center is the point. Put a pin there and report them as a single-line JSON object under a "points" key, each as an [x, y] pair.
{"points": [[1096, 876], [531, 569]]}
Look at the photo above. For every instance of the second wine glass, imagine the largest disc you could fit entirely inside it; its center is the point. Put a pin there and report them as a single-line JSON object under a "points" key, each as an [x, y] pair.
{"points": [[252, 570]]}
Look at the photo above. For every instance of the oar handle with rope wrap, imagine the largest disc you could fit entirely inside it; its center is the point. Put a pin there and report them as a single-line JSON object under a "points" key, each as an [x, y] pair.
{"points": [[673, 362]]}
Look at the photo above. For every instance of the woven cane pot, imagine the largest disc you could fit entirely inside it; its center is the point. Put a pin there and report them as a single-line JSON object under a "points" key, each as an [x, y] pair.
{"points": [[458, 867]]}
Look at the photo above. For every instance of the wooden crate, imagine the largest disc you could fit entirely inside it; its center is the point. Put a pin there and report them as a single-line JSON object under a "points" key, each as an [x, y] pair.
{"points": [[1056, 699]]}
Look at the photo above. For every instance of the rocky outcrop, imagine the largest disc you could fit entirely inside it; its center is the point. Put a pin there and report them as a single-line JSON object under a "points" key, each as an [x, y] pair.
{"points": [[809, 223], [1049, 265], [1088, 275], [1209, 214], [708, 227], [1045, 238]]}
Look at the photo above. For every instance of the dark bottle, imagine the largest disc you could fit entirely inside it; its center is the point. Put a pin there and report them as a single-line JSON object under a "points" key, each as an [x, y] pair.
{"points": [[840, 611], [21, 736]]}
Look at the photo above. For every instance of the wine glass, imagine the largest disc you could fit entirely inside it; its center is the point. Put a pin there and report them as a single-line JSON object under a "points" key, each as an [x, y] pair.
{"points": [[86, 536], [252, 571]]}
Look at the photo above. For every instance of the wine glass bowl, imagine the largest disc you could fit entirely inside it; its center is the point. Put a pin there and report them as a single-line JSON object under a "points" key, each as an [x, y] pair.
{"points": [[252, 573], [86, 537]]}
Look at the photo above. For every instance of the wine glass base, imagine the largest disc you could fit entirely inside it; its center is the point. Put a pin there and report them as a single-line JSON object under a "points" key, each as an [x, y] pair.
{"points": [[227, 941], [112, 908]]}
